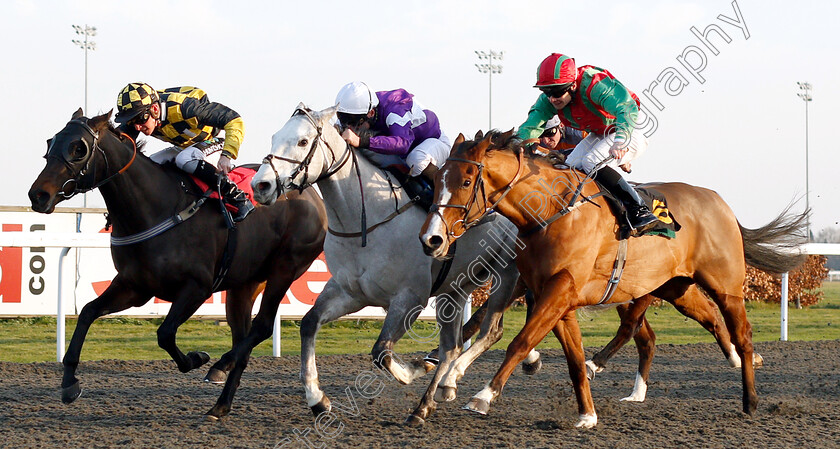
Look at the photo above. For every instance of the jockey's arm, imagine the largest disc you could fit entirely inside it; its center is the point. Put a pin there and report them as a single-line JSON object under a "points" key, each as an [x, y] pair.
{"points": [[540, 113], [218, 116]]}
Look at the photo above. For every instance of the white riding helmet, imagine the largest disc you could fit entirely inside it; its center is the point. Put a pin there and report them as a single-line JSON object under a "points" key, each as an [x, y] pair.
{"points": [[356, 98], [552, 122]]}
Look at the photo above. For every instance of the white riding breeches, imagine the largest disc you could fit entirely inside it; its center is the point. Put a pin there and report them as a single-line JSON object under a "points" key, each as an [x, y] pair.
{"points": [[595, 148], [187, 159], [430, 151]]}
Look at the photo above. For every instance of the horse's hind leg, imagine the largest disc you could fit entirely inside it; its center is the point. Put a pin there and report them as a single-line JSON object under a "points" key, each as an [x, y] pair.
{"points": [[184, 306], [646, 346], [117, 297], [631, 315], [238, 307], [696, 306], [740, 331], [261, 329]]}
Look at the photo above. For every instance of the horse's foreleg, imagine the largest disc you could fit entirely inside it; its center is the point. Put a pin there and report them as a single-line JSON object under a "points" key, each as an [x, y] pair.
{"points": [[238, 307], [549, 306], [449, 316], [332, 303], [491, 332], [117, 297], [631, 319], [184, 306], [568, 332], [401, 314], [261, 329]]}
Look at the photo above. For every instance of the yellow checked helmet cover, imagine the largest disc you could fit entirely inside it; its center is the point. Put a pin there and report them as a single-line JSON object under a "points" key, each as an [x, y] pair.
{"points": [[134, 99]]}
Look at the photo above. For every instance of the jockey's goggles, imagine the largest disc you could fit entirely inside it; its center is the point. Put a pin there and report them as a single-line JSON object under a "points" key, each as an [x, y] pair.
{"points": [[555, 91], [550, 132], [140, 118], [351, 120]]}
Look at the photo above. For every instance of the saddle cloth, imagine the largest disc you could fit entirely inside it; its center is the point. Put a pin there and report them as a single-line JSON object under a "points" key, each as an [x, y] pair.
{"points": [[241, 176], [658, 205]]}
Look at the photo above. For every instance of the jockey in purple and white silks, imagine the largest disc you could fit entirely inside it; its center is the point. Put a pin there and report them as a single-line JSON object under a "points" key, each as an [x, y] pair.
{"points": [[395, 127]]}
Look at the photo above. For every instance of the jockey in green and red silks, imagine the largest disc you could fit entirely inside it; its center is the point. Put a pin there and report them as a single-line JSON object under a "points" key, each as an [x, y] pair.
{"points": [[590, 99]]}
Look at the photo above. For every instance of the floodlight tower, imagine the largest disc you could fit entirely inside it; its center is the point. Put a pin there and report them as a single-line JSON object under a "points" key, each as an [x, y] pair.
{"points": [[87, 44], [805, 95], [489, 68]]}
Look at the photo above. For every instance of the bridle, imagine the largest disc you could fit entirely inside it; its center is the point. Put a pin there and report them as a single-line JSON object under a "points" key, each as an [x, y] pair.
{"points": [[466, 223], [87, 170], [303, 165]]}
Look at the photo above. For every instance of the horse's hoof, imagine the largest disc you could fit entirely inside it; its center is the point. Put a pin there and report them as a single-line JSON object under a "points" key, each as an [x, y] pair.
{"points": [[758, 360], [591, 369], [211, 418], [322, 406], [477, 405], [71, 393], [215, 376], [432, 358], [532, 368], [429, 366], [445, 394], [414, 421], [198, 358]]}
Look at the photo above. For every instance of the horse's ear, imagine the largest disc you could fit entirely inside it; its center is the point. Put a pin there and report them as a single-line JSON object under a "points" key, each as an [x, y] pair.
{"points": [[77, 114], [479, 135], [327, 116], [100, 122], [301, 106], [505, 137], [459, 140]]}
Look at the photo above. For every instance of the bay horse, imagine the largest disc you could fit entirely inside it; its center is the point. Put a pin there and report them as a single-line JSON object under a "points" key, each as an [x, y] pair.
{"points": [[571, 245], [274, 246], [375, 258]]}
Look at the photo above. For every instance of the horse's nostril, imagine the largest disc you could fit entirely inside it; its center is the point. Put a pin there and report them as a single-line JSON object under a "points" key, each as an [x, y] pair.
{"points": [[435, 241], [263, 186]]}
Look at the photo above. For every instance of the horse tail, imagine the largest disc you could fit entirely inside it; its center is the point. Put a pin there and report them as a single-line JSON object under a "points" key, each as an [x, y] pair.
{"points": [[774, 247]]}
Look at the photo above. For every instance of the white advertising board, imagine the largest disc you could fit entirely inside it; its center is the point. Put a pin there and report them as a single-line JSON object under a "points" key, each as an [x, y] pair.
{"points": [[29, 275]]}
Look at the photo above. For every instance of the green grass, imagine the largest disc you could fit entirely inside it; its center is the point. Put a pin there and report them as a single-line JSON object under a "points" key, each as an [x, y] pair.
{"points": [[33, 339]]}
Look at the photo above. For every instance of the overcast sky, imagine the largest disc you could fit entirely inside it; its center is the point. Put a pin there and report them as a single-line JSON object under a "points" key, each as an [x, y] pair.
{"points": [[741, 131]]}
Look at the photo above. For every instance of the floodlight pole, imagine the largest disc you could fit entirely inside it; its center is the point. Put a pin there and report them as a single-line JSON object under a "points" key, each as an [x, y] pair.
{"points": [[87, 44], [489, 68], [805, 95]]}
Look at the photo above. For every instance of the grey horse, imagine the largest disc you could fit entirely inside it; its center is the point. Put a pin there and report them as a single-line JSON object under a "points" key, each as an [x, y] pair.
{"points": [[376, 259]]}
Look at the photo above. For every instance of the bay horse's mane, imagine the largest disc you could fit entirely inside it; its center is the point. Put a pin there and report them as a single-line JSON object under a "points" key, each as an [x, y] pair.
{"points": [[500, 141]]}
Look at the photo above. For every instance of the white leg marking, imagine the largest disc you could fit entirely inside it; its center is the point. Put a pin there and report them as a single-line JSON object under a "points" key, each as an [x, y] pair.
{"points": [[639, 390], [587, 421], [734, 358], [533, 356], [313, 396], [486, 394]]}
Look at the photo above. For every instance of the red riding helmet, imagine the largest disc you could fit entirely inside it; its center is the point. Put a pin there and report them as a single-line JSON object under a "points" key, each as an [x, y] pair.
{"points": [[556, 70]]}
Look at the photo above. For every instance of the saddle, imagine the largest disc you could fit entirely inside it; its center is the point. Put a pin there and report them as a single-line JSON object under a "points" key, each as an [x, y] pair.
{"points": [[241, 176], [656, 202]]}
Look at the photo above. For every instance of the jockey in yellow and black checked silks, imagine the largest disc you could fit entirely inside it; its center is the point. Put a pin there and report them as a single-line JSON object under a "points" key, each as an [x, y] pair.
{"points": [[187, 115]]}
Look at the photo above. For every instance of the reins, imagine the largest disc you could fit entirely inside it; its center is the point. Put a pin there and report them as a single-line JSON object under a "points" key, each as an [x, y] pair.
{"points": [[479, 186]]}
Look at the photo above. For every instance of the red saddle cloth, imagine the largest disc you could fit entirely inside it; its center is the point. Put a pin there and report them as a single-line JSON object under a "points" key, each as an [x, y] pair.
{"points": [[241, 176]]}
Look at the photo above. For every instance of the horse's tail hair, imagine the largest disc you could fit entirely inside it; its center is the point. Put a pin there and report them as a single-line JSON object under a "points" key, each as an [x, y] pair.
{"points": [[774, 247]]}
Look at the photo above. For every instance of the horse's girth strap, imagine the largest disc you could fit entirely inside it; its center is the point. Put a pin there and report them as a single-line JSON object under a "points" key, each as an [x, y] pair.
{"points": [[618, 269], [393, 215]]}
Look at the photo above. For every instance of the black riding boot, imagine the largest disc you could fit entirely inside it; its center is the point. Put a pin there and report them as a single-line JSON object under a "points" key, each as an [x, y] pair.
{"points": [[418, 187], [230, 192], [641, 219]]}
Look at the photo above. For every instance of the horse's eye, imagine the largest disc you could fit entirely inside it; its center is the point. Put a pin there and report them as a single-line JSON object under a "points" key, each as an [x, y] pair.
{"points": [[76, 150], [303, 142], [467, 183]]}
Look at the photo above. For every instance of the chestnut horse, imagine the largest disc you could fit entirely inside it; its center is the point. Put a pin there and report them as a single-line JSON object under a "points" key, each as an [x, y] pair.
{"points": [[571, 245], [275, 245]]}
